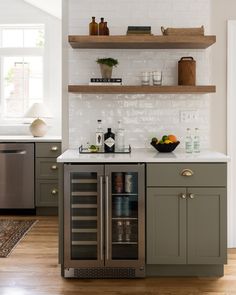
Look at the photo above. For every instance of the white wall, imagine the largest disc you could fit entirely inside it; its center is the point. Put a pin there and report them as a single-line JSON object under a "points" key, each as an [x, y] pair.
{"points": [[19, 12], [143, 115], [221, 12]]}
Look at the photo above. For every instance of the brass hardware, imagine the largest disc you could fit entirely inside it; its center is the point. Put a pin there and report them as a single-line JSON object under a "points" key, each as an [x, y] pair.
{"points": [[54, 191], [54, 167], [191, 196], [54, 148], [187, 172], [183, 196]]}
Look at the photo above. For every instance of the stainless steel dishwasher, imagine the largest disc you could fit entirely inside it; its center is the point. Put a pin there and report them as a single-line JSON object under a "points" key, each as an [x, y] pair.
{"points": [[17, 176]]}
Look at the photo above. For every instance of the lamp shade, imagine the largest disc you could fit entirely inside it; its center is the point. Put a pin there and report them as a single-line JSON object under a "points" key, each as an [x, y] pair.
{"points": [[38, 110]]}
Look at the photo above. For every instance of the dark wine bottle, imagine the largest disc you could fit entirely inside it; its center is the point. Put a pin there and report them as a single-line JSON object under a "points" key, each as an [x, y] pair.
{"points": [[109, 141], [93, 27]]}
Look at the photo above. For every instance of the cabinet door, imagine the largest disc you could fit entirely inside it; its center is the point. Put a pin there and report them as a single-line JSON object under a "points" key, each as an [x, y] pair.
{"points": [[166, 225], [125, 221], [207, 227], [83, 217]]}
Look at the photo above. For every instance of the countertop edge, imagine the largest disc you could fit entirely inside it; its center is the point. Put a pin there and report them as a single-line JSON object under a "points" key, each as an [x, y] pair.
{"points": [[143, 156]]}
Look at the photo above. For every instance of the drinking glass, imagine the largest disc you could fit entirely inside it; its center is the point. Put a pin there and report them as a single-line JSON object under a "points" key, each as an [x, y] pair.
{"points": [[157, 78]]}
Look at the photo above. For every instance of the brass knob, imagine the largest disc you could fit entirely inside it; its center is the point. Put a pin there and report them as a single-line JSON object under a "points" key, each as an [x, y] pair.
{"points": [[183, 196], [191, 196], [54, 167], [187, 172], [54, 191], [54, 148]]}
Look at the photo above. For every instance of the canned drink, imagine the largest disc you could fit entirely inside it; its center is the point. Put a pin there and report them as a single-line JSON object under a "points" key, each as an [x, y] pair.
{"points": [[118, 206], [118, 182], [125, 206], [128, 182]]}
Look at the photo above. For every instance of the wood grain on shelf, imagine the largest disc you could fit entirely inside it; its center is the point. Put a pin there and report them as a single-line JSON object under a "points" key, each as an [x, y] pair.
{"points": [[135, 89], [142, 42]]}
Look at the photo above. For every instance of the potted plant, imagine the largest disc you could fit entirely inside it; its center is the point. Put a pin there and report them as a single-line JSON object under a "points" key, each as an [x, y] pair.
{"points": [[106, 65]]}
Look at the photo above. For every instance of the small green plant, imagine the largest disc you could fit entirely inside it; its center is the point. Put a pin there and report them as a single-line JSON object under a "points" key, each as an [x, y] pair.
{"points": [[110, 62]]}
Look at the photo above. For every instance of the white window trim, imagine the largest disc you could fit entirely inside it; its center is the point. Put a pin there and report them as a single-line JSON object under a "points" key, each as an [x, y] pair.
{"points": [[20, 51]]}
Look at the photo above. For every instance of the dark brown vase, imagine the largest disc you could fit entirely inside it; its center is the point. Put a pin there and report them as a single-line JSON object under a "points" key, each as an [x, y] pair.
{"points": [[93, 27], [106, 29], [101, 29]]}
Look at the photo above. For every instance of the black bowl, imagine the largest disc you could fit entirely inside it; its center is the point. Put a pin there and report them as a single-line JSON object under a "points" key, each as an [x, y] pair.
{"points": [[165, 147]]}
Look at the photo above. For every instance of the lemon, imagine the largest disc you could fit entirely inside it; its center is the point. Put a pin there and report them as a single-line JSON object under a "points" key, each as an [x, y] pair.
{"points": [[167, 141]]}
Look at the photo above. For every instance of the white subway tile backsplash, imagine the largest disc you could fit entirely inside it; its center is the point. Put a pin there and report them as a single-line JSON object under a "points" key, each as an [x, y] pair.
{"points": [[143, 116]]}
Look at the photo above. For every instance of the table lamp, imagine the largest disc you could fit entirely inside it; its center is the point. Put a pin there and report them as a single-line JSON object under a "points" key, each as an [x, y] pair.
{"points": [[38, 127]]}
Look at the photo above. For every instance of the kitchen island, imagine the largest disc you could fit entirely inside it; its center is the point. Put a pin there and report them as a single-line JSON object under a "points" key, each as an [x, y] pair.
{"points": [[177, 210]]}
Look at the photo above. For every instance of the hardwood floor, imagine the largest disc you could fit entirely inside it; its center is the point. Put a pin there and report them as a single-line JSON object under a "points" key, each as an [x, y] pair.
{"points": [[33, 268]]}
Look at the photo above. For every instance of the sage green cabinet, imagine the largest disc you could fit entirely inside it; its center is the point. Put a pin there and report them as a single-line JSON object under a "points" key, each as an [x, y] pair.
{"points": [[47, 174], [166, 226], [186, 215]]}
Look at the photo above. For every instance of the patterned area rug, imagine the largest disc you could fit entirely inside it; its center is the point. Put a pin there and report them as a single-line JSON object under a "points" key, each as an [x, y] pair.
{"points": [[11, 232]]}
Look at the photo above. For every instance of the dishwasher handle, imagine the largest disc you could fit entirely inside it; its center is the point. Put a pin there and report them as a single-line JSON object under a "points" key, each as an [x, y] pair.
{"points": [[18, 152]]}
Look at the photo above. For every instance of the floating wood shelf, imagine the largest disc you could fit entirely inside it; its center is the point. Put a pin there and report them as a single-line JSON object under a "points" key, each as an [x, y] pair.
{"points": [[142, 42], [134, 89]]}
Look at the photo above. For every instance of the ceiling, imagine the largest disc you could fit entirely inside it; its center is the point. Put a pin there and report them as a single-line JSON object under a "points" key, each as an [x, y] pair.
{"points": [[52, 7]]}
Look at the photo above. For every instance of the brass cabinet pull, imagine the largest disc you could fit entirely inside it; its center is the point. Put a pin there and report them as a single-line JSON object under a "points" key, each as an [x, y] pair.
{"points": [[191, 196], [54, 167], [187, 172], [54, 191], [54, 148], [183, 196]]}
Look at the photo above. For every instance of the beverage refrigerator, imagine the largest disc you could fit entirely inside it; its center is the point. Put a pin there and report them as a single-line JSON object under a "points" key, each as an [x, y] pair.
{"points": [[104, 221]]}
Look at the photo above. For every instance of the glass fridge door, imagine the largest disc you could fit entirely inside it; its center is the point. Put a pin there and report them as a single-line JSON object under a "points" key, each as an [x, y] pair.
{"points": [[84, 215], [125, 218]]}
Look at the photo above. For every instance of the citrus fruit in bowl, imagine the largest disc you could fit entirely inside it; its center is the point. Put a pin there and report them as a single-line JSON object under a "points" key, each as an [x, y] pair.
{"points": [[167, 144]]}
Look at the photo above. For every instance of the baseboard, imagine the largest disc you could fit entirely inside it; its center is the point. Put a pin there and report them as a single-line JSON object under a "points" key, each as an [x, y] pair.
{"points": [[185, 270], [47, 211]]}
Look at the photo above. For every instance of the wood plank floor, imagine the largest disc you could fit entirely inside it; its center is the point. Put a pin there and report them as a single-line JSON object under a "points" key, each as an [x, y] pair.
{"points": [[32, 269]]}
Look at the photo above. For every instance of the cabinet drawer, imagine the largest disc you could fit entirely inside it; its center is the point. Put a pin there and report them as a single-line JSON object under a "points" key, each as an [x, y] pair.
{"points": [[46, 193], [48, 149], [46, 168], [187, 174]]}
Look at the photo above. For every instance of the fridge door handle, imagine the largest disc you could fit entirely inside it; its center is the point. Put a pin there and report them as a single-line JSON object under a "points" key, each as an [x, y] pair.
{"points": [[107, 217], [101, 217]]}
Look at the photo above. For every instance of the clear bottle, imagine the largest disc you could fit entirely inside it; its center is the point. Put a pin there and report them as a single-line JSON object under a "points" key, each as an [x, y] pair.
{"points": [[101, 27], [99, 134], [127, 231], [188, 142], [120, 140], [109, 141], [120, 231], [196, 141], [93, 27]]}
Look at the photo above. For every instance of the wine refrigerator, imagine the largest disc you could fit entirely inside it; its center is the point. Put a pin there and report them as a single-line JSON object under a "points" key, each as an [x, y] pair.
{"points": [[104, 221]]}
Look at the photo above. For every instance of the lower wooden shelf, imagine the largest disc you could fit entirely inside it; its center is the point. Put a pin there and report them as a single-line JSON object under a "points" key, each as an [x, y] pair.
{"points": [[135, 89]]}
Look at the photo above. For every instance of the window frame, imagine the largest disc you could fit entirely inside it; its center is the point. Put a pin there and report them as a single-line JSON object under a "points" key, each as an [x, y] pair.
{"points": [[20, 52]]}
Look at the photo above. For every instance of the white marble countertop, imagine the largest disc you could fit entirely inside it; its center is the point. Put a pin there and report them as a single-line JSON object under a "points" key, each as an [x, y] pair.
{"points": [[142, 156], [29, 138]]}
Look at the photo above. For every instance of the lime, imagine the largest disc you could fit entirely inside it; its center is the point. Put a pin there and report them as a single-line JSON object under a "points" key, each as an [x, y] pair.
{"points": [[164, 137]]}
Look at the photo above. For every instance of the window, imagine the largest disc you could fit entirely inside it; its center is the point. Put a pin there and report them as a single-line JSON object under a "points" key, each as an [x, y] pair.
{"points": [[21, 63]]}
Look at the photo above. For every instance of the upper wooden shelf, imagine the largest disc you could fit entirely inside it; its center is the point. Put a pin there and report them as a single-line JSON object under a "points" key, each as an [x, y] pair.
{"points": [[142, 42], [136, 89]]}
